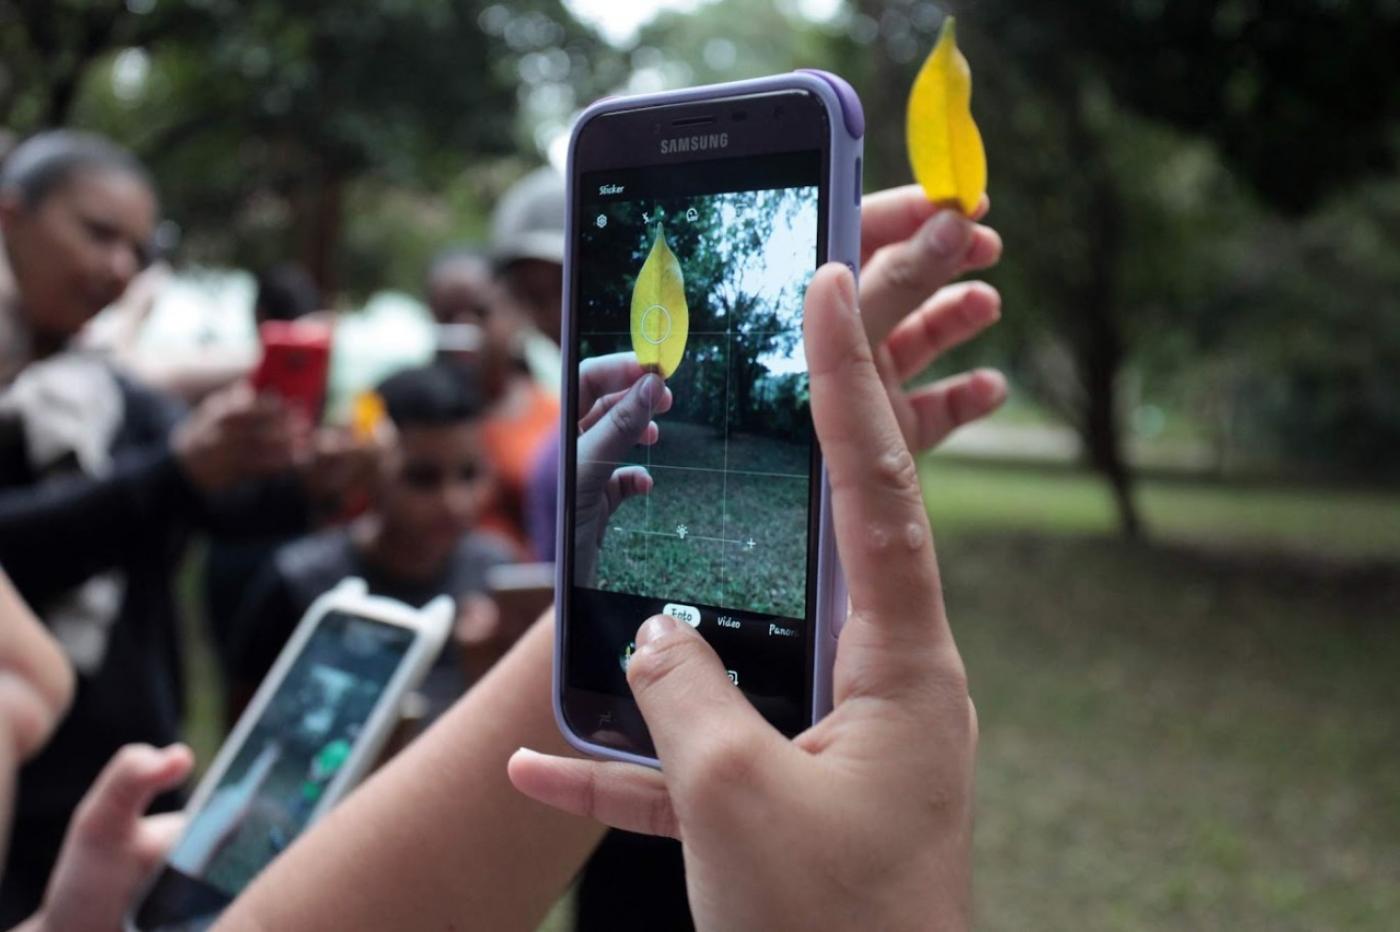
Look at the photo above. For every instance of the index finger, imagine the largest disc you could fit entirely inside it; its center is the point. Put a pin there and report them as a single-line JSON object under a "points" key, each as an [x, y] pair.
{"points": [[892, 215], [134, 777], [882, 529]]}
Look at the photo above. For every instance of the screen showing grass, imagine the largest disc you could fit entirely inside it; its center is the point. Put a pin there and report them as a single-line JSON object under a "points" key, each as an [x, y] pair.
{"points": [[706, 291]]}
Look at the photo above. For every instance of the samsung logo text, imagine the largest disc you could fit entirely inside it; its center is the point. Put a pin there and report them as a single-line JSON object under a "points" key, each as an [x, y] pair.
{"points": [[694, 143]]}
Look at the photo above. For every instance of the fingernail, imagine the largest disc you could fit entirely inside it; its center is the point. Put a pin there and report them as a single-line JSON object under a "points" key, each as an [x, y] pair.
{"points": [[652, 387], [994, 383], [655, 628], [847, 290], [946, 234]]}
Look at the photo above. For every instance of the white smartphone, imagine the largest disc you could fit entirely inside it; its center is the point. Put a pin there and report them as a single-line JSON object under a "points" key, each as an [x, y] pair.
{"points": [[312, 730]]}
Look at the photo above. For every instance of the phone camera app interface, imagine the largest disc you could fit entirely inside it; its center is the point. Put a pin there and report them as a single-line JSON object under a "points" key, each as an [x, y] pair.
{"points": [[693, 485], [276, 782]]}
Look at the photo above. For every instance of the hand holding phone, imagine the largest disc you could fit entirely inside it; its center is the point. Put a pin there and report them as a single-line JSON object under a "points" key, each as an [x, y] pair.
{"points": [[235, 435], [310, 733], [112, 845], [882, 787]]}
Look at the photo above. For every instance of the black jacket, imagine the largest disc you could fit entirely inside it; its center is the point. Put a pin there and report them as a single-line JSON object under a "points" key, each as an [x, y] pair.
{"points": [[57, 532]]}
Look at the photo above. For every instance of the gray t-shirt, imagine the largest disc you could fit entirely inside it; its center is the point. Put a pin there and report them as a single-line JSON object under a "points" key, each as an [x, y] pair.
{"points": [[300, 572]]}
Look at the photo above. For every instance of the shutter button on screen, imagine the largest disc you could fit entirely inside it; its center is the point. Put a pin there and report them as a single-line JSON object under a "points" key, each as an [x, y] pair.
{"points": [[686, 613]]}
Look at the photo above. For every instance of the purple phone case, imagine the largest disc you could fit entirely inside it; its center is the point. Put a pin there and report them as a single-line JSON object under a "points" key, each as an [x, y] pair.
{"points": [[843, 245]]}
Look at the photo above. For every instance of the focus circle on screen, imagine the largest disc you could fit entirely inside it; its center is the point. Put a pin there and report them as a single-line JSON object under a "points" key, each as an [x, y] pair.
{"points": [[654, 319]]}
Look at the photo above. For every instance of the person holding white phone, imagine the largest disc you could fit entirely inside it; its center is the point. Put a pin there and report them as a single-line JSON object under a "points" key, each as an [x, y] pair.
{"points": [[864, 820], [111, 845]]}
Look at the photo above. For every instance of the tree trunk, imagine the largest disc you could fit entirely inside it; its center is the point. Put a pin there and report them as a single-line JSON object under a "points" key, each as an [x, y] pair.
{"points": [[1099, 345], [322, 226], [1100, 365], [59, 105]]}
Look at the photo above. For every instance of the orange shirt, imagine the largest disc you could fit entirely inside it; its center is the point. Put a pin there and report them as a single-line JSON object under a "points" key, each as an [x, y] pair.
{"points": [[512, 440]]}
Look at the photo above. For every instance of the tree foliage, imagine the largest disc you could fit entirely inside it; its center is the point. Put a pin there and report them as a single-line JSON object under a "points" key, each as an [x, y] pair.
{"points": [[261, 118]]}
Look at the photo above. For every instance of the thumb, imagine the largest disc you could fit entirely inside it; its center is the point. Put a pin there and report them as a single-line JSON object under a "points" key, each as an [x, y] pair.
{"points": [[699, 721], [625, 423]]}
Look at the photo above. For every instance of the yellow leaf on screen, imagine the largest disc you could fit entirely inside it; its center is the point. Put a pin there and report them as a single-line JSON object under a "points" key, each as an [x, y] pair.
{"points": [[660, 318]]}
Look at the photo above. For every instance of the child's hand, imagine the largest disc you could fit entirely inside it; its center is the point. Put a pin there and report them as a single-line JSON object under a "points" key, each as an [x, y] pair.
{"points": [[112, 846], [340, 469], [482, 635], [865, 819]]}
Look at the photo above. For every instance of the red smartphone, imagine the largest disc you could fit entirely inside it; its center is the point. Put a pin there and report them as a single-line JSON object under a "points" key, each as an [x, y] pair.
{"points": [[295, 364]]}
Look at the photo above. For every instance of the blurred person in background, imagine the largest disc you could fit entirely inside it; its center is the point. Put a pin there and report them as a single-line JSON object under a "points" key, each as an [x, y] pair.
{"points": [[418, 540], [521, 414], [209, 363], [527, 248], [285, 292], [101, 478]]}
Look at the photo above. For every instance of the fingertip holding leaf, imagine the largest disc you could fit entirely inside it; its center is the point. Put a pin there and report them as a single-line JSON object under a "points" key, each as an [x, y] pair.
{"points": [[945, 148], [660, 318]]}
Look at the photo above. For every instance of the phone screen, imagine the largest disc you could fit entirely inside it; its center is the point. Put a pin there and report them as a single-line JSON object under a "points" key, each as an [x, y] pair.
{"points": [[278, 778], [723, 537]]}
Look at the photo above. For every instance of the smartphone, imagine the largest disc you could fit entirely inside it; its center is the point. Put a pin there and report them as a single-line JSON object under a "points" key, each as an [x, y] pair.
{"points": [[295, 364], [695, 221], [522, 591], [311, 732]]}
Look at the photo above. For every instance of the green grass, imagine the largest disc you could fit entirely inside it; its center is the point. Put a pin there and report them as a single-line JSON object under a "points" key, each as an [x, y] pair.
{"points": [[1198, 733], [1308, 521], [761, 499], [1178, 736], [204, 695]]}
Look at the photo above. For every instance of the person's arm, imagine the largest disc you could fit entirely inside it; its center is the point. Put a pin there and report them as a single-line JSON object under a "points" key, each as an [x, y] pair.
{"points": [[438, 838], [36, 686], [275, 505], [56, 534]]}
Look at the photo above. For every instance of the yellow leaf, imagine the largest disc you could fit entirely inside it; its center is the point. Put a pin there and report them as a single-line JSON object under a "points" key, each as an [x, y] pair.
{"points": [[660, 318], [367, 413], [945, 147]]}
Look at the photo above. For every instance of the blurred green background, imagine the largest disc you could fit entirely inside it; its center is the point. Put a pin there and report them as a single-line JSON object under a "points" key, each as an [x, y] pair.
{"points": [[1173, 561]]}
